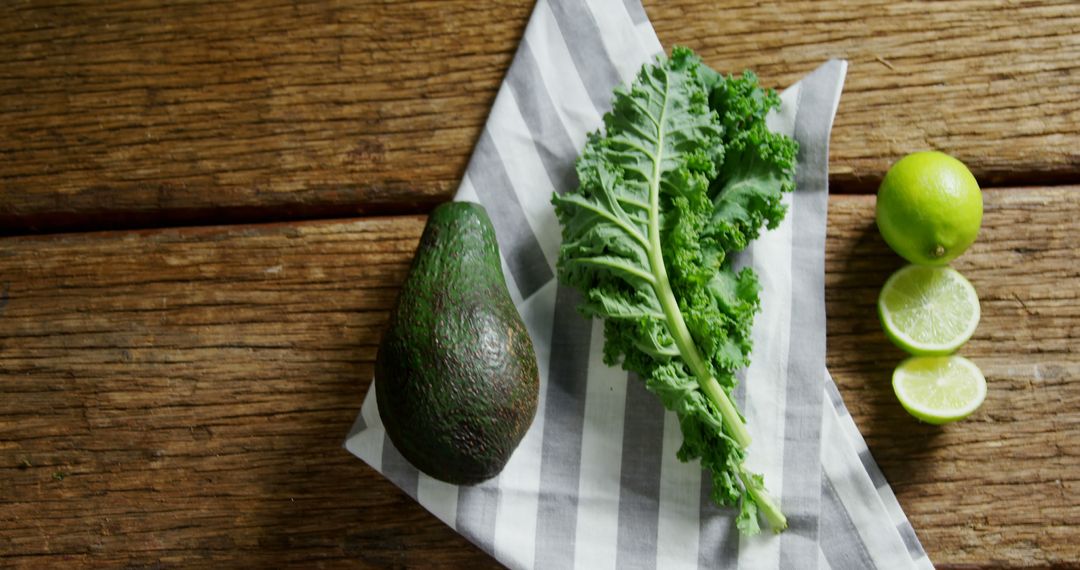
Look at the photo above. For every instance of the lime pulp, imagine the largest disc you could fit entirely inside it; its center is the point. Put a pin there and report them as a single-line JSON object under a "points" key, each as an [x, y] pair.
{"points": [[928, 311], [939, 389]]}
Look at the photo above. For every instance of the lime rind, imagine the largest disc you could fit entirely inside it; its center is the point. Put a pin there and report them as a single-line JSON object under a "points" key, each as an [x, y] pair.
{"points": [[939, 389], [929, 208], [928, 311]]}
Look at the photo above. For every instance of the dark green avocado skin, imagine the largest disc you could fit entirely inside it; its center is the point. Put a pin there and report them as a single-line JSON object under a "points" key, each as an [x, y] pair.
{"points": [[456, 379]]}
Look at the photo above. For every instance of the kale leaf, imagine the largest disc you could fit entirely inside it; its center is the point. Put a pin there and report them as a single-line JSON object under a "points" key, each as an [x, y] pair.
{"points": [[683, 174]]}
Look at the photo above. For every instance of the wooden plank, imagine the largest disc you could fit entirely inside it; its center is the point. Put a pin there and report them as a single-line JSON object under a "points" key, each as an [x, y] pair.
{"points": [[1001, 487], [992, 83], [135, 114], [203, 111], [179, 397]]}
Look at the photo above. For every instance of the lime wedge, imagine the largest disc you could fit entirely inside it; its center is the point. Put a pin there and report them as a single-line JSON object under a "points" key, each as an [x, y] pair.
{"points": [[928, 311], [939, 389]]}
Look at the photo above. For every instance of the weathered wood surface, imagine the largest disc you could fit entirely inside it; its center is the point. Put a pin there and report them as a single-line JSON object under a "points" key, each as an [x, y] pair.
{"points": [[202, 112], [178, 397], [1002, 487]]}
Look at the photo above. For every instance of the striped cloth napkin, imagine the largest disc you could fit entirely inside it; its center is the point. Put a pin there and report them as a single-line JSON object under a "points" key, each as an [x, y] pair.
{"points": [[595, 482]]}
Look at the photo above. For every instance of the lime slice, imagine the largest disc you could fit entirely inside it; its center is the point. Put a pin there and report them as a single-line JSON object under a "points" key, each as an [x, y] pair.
{"points": [[928, 311], [939, 389]]}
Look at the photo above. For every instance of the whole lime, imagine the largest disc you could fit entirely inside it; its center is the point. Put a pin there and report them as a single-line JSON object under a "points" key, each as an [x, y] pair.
{"points": [[929, 208]]}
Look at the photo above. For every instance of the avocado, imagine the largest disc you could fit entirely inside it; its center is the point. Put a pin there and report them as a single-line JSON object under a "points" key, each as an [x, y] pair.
{"points": [[456, 378]]}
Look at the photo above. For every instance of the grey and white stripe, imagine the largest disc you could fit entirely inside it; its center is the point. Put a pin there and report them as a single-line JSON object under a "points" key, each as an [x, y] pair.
{"points": [[833, 394], [398, 469], [597, 525], [872, 468], [476, 512], [639, 485], [870, 496], [839, 549], [560, 461], [637, 11], [718, 542], [592, 486], [806, 350], [553, 143], [518, 244], [594, 65]]}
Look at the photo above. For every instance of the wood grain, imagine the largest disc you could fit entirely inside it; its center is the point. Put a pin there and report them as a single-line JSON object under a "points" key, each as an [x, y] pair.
{"points": [[138, 114], [200, 111], [178, 397], [991, 82], [999, 488]]}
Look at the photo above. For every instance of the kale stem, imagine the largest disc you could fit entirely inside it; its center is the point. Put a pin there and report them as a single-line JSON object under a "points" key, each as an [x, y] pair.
{"points": [[733, 423], [736, 428], [765, 504]]}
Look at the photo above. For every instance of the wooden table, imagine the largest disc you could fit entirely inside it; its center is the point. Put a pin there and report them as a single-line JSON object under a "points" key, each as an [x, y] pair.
{"points": [[209, 207]]}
